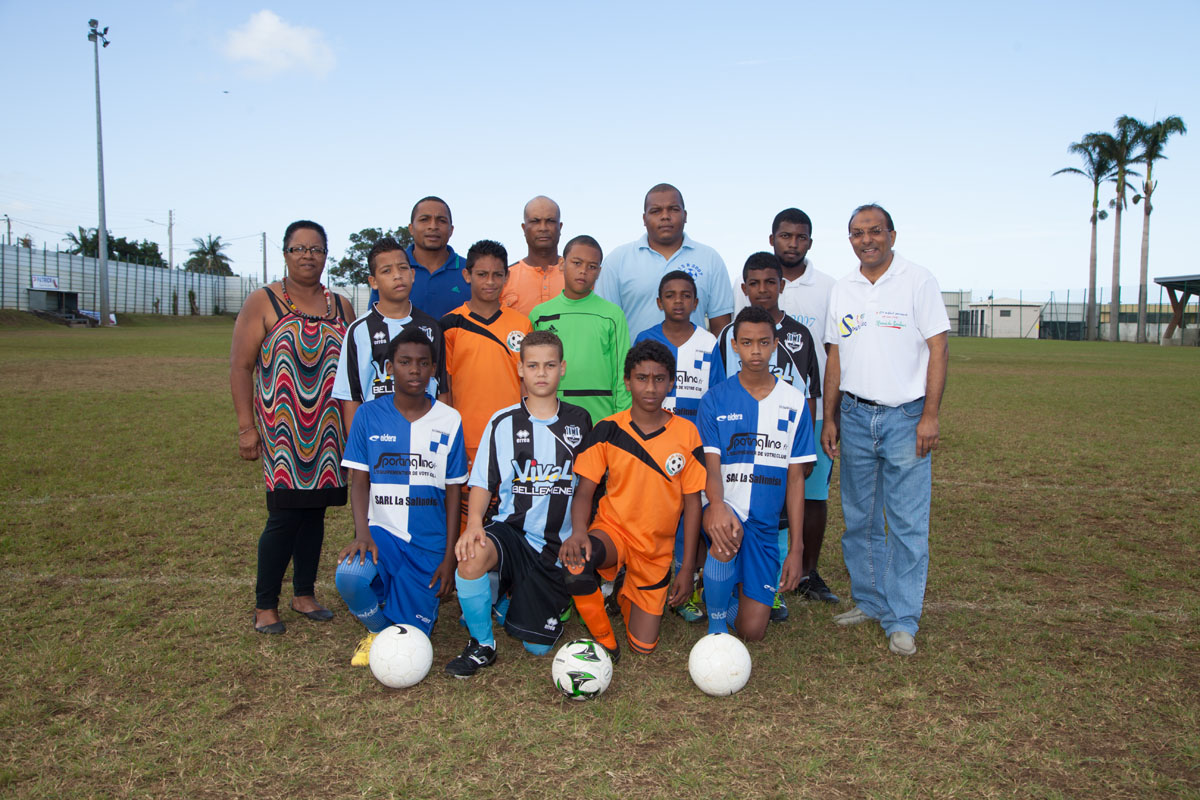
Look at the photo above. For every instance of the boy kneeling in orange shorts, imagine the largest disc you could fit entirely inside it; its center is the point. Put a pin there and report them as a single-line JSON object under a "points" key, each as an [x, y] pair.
{"points": [[652, 465]]}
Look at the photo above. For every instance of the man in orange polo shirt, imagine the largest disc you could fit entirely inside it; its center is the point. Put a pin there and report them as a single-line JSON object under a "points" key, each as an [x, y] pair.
{"points": [[537, 277]]}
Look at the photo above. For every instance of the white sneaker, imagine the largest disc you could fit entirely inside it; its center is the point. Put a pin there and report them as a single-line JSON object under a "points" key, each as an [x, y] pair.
{"points": [[902, 644], [851, 617]]}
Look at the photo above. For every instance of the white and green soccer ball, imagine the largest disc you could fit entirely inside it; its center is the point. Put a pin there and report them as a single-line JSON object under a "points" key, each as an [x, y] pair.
{"points": [[719, 664], [581, 669], [401, 656]]}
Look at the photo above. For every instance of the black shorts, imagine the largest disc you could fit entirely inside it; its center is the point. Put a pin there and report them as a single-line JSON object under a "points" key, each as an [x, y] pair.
{"points": [[535, 584]]}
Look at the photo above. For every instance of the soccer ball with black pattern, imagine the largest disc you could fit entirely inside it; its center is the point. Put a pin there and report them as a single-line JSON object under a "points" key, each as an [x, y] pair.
{"points": [[582, 669], [401, 656], [719, 664]]}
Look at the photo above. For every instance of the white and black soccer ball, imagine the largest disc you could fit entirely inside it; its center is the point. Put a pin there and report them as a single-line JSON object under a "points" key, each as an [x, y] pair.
{"points": [[719, 664], [401, 656], [674, 463], [581, 669]]}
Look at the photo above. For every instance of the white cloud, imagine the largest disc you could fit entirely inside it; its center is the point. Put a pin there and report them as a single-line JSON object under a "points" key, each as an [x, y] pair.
{"points": [[269, 46]]}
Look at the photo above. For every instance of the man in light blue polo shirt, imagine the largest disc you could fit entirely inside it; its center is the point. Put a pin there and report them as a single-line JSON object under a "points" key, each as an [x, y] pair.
{"points": [[632, 272], [438, 283]]}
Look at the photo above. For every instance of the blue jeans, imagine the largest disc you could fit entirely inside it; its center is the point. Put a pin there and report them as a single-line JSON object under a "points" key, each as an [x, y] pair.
{"points": [[885, 503]]}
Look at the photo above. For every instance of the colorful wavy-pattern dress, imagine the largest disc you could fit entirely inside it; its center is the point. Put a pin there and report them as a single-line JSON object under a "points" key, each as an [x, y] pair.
{"points": [[299, 421]]}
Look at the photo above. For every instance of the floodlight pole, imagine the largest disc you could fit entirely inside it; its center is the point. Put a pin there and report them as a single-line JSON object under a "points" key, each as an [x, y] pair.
{"points": [[96, 36]]}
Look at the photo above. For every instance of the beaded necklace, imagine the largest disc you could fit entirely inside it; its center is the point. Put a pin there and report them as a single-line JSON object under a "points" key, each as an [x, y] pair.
{"points": [[295, 310]]}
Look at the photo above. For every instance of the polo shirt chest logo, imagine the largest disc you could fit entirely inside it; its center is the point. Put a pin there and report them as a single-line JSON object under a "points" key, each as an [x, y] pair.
{"points": [[896, 320], [849, 324], [691, 269]]}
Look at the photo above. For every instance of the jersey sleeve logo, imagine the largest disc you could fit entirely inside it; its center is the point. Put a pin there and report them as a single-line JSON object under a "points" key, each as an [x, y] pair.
{"points": [[674, 464], [793, 342], [572, 435], [514, 340]]}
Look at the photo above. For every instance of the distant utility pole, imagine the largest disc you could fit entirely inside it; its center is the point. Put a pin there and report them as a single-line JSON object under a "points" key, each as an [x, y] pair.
{"points": [[96, 37], [170, 237], [8, 219], [264, 258]]}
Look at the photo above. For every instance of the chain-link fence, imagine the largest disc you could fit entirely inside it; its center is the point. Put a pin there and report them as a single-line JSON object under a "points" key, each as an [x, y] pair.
{"points": [[1020, 314]]}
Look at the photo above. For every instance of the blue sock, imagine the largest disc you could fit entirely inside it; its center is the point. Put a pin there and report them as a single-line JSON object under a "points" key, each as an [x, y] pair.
{"points": [[537, 649], [731, 615], [784, 540], [353, 582], [475, 598], [719, 582], [500, 609]]}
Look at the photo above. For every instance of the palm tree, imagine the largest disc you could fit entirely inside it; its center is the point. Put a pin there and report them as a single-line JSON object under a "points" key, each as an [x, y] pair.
{"points": [[1154, 140], [207, 257], [1122, 150], [1096, 168], [85, 243]]}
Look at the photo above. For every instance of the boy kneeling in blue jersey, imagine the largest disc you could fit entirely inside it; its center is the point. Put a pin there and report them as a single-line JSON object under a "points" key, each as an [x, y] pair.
{"points": [[526, 456], [407, 460], [757, 436]]}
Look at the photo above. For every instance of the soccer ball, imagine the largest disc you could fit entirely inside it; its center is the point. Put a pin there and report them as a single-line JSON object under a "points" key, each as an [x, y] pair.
{"points": [[401, 656], [582, 669], [719, 664]]}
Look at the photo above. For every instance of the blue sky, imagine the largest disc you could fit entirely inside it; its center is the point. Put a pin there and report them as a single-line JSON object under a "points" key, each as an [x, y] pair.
{"points": [[242, 118]]}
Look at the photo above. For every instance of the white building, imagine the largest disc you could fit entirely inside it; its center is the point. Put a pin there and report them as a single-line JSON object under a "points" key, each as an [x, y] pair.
{"points": [[1004, 318]]}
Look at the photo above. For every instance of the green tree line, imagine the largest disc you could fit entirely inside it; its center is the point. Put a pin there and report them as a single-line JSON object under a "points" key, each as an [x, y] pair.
{"points": [[207, 256]]}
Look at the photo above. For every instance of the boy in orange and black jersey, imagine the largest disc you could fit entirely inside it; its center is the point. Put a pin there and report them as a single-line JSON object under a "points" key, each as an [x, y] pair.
{"points": [[654, 470]]}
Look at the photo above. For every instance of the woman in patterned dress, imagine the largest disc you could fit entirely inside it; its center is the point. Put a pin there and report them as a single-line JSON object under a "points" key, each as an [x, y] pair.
{"points": [[285, 353]]}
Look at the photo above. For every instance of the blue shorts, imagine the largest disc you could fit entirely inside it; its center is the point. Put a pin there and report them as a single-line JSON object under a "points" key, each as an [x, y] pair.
{"points": [[816, 486], [756, 565], [403, 582]]}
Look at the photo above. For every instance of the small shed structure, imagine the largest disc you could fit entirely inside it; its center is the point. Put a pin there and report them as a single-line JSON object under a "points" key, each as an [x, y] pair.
{"points": [[1180, 290], [1006, 318]]}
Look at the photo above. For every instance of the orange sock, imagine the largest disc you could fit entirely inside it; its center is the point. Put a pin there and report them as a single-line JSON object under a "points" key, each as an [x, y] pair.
{"points": [[591, 609], [638, 646]]}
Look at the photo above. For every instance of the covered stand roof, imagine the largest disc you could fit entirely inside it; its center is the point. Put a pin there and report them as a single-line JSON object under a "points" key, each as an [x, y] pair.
{"points": [[1187, 285]]}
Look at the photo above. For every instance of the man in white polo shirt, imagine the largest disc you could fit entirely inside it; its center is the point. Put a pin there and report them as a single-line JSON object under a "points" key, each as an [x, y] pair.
{"points": [[887, 331], [631, 273], [805, 298]]}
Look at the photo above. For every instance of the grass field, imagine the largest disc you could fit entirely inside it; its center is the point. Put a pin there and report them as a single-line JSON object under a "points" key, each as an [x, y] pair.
{"points": [[1059, 651]]}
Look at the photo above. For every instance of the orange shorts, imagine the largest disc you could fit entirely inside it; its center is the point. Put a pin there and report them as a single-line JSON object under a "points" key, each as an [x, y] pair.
{"points": [[647, 577]]}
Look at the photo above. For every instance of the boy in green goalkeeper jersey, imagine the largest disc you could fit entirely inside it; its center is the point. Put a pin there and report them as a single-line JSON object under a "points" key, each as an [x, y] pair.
{"points": [[594, 333]]}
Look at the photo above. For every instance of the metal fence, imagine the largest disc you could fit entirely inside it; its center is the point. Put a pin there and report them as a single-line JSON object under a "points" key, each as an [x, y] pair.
{"points": [[32, 279], [1015, 313], [36, 278], [27, 276]]}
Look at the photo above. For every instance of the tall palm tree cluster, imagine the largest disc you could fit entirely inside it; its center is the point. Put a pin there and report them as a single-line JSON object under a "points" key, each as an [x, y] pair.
{"points": [[1112, 158]]}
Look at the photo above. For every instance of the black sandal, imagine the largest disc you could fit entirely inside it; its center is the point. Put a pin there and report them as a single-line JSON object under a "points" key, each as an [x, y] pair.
{"points": [[274, 628], [320, 614]]}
